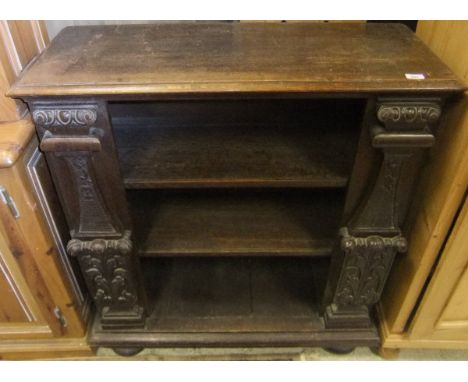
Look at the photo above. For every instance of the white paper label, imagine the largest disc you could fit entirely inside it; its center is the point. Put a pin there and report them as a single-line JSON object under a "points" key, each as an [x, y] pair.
{"points": [[415, 76]]}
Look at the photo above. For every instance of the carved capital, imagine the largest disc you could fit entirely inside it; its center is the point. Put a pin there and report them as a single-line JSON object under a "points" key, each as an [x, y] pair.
{"points": [[79, 116], [372, 243], [408, 113], [123, 246], [367, 262], [106, 267], [406, 123]]}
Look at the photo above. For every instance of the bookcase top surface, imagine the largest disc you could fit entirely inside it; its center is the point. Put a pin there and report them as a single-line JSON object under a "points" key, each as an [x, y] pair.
{"points": [[225, 57]]}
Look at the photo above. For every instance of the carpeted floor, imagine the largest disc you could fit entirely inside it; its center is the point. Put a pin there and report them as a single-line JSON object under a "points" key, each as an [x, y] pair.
{"points": [[304, 354]]}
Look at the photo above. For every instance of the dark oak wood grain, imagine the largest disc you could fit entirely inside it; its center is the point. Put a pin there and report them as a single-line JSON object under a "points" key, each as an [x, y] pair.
{"points": [[233, 57], [220, 143], [228, 223]]}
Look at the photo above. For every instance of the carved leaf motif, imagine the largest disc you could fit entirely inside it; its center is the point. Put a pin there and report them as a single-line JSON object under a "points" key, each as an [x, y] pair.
{"points": [[366, 265], [106, 268]]}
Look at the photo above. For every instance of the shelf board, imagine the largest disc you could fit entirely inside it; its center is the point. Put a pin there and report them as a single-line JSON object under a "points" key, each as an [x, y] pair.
{"points": [[270, 143], [235, 223], [234, 302], [232, 294]]}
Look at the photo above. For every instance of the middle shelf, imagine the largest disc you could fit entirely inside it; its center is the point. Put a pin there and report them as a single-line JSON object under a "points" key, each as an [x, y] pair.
{"points": [[235, 222]]}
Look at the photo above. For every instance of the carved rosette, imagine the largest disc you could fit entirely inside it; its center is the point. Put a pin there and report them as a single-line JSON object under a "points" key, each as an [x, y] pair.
{"points": [[106, 267], [62, 117], [367, 262]]}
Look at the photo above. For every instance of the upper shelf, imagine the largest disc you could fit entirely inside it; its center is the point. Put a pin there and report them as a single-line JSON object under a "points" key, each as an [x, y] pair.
{"points": [[226, 143], [218, 57]]}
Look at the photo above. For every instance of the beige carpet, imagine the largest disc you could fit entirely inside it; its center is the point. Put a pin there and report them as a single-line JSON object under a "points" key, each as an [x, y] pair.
{"points": [[305, 354]]}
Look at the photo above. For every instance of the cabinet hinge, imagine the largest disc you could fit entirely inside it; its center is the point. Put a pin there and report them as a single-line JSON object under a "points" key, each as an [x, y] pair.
{"points": [[8, 200], [58, 313]]}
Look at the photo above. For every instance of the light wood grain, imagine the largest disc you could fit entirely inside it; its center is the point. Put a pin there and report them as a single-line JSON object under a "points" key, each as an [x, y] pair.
{"points": [[401, 341], [12, 307], [8, 107], [455, 314], [45, 349], [444, 183], [21, 312], [29, 237], [25, 46], [31, 283], [39, 31], [14, 137], [443, 312], [448, 40], [20, 42]]}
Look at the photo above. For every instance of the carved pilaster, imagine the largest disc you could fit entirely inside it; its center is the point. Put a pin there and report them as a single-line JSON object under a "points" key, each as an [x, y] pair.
{"points": [[94, 218], [107, 268], [372, 236], [405, 131], [76, 138], [71, 135]]}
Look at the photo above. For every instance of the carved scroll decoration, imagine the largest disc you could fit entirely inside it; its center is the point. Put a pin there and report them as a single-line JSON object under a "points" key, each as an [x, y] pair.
{"points": [[63, 117], [367, 263], [407, 113]]}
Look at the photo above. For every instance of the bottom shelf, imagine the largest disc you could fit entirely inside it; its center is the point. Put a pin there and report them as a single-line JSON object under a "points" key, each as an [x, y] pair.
{"points": [[234, 302]]}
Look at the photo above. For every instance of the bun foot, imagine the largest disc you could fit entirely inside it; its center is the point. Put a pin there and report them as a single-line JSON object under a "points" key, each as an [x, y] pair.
{"points": [[339, 350], [127, 352]]}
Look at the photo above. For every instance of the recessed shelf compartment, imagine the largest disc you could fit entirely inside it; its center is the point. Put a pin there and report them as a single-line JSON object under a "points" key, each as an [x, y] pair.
{"points": [[243, 143], [234, 294], [234, 302], [235, 222]]}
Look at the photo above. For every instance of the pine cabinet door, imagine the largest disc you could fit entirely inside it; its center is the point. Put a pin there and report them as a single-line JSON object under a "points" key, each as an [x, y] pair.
{"points": [[443, 312]]}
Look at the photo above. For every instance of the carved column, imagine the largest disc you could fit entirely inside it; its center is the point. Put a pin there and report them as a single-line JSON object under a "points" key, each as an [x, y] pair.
{"points": [[77, 140], [372, 237]]}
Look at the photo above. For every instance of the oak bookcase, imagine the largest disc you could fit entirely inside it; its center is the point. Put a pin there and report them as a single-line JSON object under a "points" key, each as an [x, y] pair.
{"points": [[236, 184]]}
